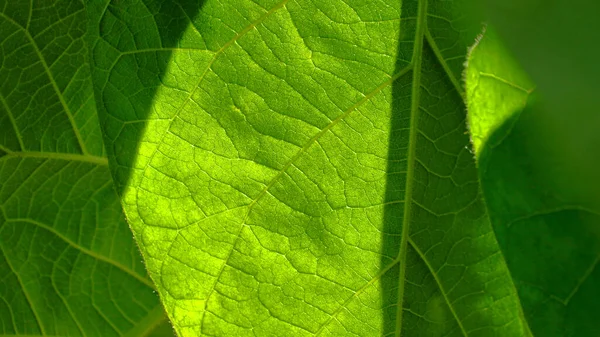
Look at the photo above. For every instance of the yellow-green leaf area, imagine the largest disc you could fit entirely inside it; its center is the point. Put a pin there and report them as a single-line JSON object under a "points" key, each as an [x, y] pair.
{"points": [[301, 168]]}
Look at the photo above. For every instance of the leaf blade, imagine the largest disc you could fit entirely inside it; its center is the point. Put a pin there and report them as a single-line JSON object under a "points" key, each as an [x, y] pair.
{"points": [[66, 249], [544, 217], [279, 181]]}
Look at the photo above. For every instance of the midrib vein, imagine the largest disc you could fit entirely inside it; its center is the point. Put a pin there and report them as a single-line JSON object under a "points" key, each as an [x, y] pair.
{"points": [[414, 114]]}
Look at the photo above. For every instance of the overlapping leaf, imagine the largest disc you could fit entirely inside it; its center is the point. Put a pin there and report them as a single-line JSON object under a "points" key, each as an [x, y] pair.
{"points": [[542, 201], [68, 264]]}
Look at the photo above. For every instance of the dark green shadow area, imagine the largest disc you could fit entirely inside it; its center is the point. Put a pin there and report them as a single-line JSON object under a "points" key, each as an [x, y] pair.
{"points": [[543, 204], [132, 43], [68, 261], [131, 46], [396, 173], [431, 195]]}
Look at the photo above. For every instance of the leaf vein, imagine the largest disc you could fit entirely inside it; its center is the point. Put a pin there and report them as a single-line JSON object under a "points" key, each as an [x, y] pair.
{"points": [[411, 156], [356, 294], [312, 141], [84, 250], [25, 293], [52, 82], [102, 161], [439, 283], [438, 54], [13, 122]]}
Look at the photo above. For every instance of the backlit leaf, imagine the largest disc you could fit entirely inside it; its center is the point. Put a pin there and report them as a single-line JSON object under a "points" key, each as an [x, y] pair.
{"points": [[301, 168]]}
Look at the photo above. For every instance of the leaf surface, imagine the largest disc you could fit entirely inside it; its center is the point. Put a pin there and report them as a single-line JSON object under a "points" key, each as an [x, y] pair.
{"points": [[544, 212], [565, 72], [299, 168], [68, 264]]}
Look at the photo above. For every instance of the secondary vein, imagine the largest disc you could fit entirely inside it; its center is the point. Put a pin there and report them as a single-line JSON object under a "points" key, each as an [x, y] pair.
{"points": [[145, 326], [86, 251], [59, 94], [438, 54], [356, 294], [25, 293], [208, 67], [102, 161], [13, 122], [312, 141], [439, 283]]}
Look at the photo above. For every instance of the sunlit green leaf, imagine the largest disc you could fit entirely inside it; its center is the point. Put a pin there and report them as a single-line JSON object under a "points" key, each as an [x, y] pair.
{"points": [[496, 87], [300, 168]]}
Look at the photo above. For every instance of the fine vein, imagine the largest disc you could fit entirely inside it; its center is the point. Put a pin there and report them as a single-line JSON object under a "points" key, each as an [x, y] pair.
{"points": [[86, 251], [52, 82]]}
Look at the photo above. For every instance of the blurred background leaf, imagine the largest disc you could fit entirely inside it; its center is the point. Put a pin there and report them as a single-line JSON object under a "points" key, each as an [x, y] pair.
{"points": [[538, 173]]}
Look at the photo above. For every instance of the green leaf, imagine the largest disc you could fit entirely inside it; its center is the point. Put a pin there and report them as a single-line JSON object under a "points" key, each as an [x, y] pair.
{"points": [[542, 204], [554, 43], [298, 168], [566, 72], [68, 264], [496, 86]]}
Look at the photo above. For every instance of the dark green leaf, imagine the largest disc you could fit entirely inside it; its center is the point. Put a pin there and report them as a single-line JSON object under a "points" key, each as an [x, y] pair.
{"points": [[542, 203], [68, 264]]}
